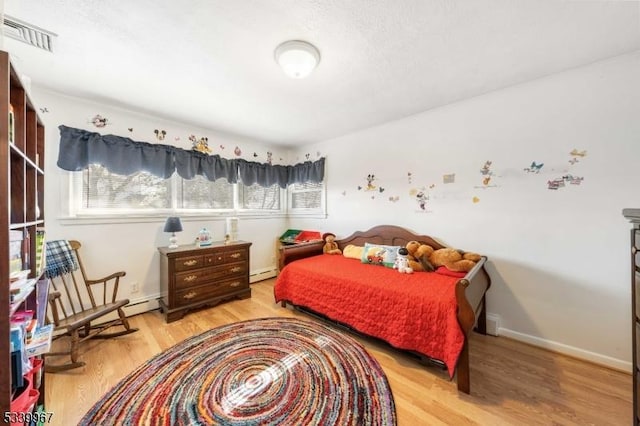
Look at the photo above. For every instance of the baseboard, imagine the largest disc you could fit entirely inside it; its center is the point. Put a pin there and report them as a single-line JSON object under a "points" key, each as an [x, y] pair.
{"points": [[262, 274], [142, 305], [613, 363]]}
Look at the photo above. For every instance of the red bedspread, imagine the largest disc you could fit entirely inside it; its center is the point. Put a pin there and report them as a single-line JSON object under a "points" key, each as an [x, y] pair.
{"points": [[410, 311]]}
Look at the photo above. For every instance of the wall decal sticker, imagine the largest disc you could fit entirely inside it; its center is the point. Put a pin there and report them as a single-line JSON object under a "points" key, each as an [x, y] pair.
{"points": [[575, 153], [487, 174], [99, 121], [269, 157], [44, 110], [160, 134], [370, 186], [534, 167], [130, 129], [409, 177], [475, 200], [449, 178], [193, 138], [394, 199], [381, 189], [255, 154], [307, 156], [558, 183], [421, 197], [201, 145], [573, 160], [344, 193], [237, 151], [177, 138], [486, 169]]}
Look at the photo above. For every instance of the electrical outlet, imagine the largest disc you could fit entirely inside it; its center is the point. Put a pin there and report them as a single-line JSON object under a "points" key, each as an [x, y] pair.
{"points": [[134, 287]]}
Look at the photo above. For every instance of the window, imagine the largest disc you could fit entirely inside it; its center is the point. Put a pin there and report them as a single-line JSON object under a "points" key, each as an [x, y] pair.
{"points": [[97, 191], [306, 198], [107, 193], [256, 197]]}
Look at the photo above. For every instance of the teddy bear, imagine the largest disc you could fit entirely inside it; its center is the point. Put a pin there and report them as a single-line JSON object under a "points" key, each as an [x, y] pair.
{"points": [[330, 246], [402, 263], [454, 260], [428, 259], [418, 256]]}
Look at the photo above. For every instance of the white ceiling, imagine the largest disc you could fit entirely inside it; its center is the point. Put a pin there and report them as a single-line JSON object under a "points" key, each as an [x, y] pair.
{"points": [[210, 62]]}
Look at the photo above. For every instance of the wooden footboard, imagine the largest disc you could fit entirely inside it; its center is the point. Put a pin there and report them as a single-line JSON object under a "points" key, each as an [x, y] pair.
{"points": [[470, 290]]}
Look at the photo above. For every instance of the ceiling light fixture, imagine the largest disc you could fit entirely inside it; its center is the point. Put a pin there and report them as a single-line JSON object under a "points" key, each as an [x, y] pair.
{"points": [[297, 58]]}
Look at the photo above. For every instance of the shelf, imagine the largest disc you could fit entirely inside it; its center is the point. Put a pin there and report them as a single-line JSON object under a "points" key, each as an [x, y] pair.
{"points": [[22, 183]]}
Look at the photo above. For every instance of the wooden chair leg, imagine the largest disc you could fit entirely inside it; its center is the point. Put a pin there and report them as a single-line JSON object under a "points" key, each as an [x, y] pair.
{"points": [[72, 353]]}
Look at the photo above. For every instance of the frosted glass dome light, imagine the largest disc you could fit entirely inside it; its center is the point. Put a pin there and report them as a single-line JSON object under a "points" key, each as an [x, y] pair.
{"points": [[297, 58]]}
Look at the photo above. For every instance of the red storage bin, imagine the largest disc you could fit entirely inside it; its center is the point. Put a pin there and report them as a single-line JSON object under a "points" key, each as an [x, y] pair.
{"points": [[307, 236], [25, 402]]}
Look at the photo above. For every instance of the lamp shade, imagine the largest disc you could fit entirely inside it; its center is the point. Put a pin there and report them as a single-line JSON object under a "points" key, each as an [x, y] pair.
{"points": [[297, 58], [173, 224]]}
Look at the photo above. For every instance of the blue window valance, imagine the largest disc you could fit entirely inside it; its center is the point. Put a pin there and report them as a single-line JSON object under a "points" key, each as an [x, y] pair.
{"points": [[80, 148]]}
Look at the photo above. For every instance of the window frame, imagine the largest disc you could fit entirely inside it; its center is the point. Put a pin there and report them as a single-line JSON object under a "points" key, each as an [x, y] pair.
{"points": [[77, 214]]}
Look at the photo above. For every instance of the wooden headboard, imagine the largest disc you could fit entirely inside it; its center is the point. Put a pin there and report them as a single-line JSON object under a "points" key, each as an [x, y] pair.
{"points": [[390, 235]]}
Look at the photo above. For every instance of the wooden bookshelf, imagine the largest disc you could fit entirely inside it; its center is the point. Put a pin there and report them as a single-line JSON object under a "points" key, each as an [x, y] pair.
{"points": [[22, 189]]}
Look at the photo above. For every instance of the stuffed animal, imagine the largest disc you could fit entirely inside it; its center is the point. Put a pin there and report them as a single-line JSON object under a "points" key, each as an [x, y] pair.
{"points": [[402, 263], [429, 259], [330, 246], [453, 259], [418, 257]]}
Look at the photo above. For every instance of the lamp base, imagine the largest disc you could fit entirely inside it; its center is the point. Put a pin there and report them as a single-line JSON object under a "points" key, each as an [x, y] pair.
{"points": [[173, 242]]}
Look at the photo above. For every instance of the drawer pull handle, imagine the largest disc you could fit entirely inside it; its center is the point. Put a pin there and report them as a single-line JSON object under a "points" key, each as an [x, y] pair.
{"points": [[634, 250], [235, 269], [190, 295], [235, 284], [190, 262], [236, 255], [219, 257], [190, 278]]}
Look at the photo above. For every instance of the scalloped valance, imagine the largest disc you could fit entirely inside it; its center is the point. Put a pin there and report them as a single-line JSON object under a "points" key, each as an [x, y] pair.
{"points": [[80, 148]]}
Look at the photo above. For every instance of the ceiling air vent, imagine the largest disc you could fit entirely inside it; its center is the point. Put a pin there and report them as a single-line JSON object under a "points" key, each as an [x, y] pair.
{"points": [[28, 33]]}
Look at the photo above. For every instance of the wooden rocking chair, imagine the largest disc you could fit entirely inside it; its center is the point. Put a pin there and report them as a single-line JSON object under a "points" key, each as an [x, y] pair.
{"points": [[72, 315]]}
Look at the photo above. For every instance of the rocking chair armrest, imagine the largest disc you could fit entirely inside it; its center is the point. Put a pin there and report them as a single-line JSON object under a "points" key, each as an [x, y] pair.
{"points": [[115, 275], [53, 295]]}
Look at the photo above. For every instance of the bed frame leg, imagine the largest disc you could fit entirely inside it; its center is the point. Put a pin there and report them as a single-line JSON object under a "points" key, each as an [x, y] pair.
{"points": [[482, 318], [283, 304], [462, 372]]}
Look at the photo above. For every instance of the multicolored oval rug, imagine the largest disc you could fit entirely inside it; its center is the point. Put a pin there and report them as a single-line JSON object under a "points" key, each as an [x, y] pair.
{"points": [[270, 371]]}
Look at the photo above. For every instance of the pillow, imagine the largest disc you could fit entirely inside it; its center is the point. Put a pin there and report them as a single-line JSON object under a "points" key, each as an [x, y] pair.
{"points": [[378, 254], [353, 252], [442, 270]]}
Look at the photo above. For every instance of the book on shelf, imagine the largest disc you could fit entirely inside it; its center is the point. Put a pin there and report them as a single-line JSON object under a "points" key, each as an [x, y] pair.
{"points": [[41, 341], [40, 251], [15, 250]]}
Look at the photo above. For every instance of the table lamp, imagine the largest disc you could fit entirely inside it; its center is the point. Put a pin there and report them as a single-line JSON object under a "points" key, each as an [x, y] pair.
{"points": [[173, 225]]}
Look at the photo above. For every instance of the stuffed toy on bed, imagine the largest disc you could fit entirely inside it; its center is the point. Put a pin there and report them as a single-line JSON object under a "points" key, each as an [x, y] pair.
{"points": [[330, 246], [425, 258], [402, 263]]}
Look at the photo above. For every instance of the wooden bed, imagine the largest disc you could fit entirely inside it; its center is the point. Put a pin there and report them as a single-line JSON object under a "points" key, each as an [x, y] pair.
{"points": [[467, 294]]}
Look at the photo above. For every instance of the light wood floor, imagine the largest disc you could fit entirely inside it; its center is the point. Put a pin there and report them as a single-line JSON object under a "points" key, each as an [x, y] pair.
{"points": [[511, 383]]}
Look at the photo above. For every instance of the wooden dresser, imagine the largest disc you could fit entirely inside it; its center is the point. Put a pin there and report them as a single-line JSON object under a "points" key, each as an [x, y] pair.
{"points": [[192, 277], [634, 217]]}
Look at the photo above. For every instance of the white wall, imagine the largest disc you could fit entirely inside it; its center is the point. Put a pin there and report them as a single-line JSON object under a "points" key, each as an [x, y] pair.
{"points": [[132, 246], [559, 260]]}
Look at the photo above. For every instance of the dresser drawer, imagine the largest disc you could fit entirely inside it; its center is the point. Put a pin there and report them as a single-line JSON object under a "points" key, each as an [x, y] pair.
{"points": [[186, 263], [208, 291], [199, 276]]}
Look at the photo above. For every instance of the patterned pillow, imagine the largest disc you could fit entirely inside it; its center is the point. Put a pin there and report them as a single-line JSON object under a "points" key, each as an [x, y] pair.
{"points": [[378, 254]]}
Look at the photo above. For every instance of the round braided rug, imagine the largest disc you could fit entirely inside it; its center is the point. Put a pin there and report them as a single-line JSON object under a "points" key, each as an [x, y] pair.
{"points": [[270, 371]]}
